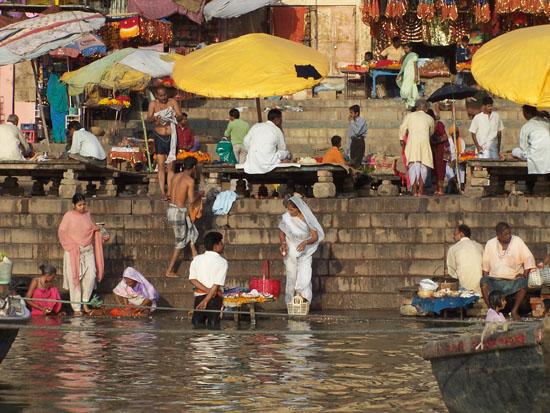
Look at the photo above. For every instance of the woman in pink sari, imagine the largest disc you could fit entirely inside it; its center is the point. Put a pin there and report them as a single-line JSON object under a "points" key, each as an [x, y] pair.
{"points": [[83, 258], [41, 288]]}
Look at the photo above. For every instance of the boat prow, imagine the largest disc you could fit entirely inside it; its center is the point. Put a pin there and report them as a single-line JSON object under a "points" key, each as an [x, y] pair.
{"points": [[15, 312]]}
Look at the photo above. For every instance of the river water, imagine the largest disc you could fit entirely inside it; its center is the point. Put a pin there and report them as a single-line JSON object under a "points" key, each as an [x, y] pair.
{"points": [[162, 364]]}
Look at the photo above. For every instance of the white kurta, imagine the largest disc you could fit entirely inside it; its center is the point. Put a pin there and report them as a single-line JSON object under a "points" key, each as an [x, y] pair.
{"points": [[265, 143], [86, 144], [486, 129], [534, 145], [464, 263], [11, 140], [419, 126]]}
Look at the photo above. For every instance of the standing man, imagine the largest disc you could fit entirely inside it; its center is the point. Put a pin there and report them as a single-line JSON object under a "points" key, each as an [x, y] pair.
{"points": [[207, 274], [237, 130], [463, 52], [13, 145], [507, 262], [165, 112], [464, 259], [534, 142], [486, 129], [355, 145], [85, 144], [177, 214], [394, 52], [266, 146], [418, 126]]}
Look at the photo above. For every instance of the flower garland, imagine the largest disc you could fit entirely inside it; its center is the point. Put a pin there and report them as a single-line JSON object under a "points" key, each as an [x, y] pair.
{"points": [[120, 100], [396, 9], [371, 11], [448, 10], [426, 10], [483, 12]]}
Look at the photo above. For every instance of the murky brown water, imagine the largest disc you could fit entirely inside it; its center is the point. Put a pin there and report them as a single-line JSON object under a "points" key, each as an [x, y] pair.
{"points": [[271, 370]]}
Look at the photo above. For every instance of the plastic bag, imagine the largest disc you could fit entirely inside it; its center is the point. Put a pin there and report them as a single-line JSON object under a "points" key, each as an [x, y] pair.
{"points": [[6, 266], [224, 149]]}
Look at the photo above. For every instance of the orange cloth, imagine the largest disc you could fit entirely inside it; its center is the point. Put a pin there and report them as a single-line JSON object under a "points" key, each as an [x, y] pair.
{"points": [[334, 155], [77, 230], [195, 210]]}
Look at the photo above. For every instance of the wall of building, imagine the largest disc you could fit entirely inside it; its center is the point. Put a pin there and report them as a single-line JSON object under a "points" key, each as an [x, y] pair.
{"points": [[21, 99]]}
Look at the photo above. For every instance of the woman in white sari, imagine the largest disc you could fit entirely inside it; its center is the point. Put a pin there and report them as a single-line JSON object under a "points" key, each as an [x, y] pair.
{"points": [[300, 234], [409, 77]]}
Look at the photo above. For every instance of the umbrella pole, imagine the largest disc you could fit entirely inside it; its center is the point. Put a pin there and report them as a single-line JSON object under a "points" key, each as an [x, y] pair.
{"points": [[259, 110], [140, 100], [457, 150], [42, 116]]}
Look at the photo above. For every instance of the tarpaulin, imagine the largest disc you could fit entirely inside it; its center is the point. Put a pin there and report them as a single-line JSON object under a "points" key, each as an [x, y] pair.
{"points": [[164, 8], [226, 9]]}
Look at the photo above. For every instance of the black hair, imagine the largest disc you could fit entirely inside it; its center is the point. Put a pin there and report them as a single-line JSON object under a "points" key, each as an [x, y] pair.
{"points": [[184, 114], [395, 39], [431, 113], [235, 113], [465, 39], [47, 269], [410, 45], [465, 229], [495, 299], [501, 227], [211, 239], [189, 163], [487, 100], [355, 108], [262, 191], [530, 110], [274, 114], [78, 197], [75, 125], [545, 114], [369, 53], [336, 140]]}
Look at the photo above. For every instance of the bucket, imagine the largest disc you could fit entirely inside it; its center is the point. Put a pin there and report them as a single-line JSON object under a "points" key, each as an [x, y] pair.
{"points": [[266, 285]]}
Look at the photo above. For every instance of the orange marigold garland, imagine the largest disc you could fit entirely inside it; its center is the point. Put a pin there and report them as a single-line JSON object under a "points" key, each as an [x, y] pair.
{"points": [[426, 10], [448, 10], [396, 9]]}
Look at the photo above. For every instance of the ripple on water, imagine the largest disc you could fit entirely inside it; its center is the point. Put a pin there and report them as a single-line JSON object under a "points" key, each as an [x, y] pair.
{"points": [[86, 371]]}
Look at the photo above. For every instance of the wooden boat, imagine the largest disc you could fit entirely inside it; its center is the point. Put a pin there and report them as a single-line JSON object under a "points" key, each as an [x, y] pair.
{"points": [[17, 313], [511, 373]]}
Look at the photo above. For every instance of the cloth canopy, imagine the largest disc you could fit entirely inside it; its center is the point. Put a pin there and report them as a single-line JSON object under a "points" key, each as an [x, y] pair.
{"points": [[251, 66], [124, 69], [87, 46], [163, 8], [35, 37], [226, 9], [515, 66]]}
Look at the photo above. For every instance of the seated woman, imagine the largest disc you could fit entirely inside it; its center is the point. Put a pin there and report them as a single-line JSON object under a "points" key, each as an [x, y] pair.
{"points": [[41, 288], [135, 291]]}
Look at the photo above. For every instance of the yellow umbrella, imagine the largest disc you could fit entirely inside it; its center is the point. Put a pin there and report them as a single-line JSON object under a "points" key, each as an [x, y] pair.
{"points": [[516, 66], [251, 66]]}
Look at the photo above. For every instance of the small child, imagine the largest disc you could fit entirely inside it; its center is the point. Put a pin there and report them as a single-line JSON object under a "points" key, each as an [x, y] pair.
{"points": [[497, 302]]}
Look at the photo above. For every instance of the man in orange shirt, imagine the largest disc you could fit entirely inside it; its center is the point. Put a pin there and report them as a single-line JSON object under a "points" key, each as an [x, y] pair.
{"points": [[334, 155]]}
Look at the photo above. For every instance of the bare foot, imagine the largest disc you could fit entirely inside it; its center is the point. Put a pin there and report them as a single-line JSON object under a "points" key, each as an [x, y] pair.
{"points": [[164, 197], [516, 317], [78, 313], [86, 309], [172, 275]]}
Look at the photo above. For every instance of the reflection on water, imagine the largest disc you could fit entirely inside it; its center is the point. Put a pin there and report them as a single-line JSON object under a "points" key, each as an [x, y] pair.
{"points": [[275, 370]]}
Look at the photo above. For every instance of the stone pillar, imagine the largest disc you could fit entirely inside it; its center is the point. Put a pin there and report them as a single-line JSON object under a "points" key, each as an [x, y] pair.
{"points": [[153, 188], [108, 188], [477, 180], [387, 188], [324, 187], [70, 184], [214, 181]]}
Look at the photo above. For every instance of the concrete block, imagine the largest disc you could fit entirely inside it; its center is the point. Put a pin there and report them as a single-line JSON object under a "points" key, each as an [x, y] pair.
{"points": [[479, 181], [340, 220], [324, 179], [387, 190], [327, 94], [13, 205], [474, 192], [324, 173], [147, 207], [324, 190], [480, 174]]}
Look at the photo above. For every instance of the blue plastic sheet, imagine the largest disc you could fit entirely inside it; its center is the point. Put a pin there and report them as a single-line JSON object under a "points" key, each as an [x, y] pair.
{"points": [[436, 305]]}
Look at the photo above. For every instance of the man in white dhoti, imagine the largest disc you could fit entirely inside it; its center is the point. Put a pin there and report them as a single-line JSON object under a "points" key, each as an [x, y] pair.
{"points": [[486, 129], [418, 127], [534, 142], [300, 233], [13, 146], [265, 143]]}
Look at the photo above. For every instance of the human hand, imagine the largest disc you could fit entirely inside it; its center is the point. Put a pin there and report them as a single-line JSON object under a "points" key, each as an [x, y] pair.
{"points": [[301, 246], [283, 249], [547, 260], [97, 227], [46, 310], [479, 148], [202, 305]]}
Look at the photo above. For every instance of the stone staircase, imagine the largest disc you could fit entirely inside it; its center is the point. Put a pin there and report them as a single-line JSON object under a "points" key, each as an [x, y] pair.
{"points": [[373, 246]]}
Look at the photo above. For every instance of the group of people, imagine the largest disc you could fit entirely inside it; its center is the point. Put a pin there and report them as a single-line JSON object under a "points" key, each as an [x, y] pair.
{"points": [[501, 268]]}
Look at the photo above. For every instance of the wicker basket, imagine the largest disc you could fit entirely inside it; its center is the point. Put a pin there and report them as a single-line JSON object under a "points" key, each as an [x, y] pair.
{"points": [[298, 306]]}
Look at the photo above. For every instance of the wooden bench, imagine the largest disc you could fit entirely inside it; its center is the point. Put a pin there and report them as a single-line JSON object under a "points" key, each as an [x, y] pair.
{"points": [[67, 177], [322, 177], [489, 177]]}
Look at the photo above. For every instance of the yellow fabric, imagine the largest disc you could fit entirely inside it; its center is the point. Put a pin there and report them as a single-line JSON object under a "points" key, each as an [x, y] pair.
{"points": [[515, 66], [251, 66]]}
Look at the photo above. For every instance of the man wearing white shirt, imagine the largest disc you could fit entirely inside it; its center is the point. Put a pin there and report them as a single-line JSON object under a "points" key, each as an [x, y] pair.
{"points": [[534, 142], [464, 259], [207, 274], [13, 145], [486, 129], [85, 144], [266, 146]]}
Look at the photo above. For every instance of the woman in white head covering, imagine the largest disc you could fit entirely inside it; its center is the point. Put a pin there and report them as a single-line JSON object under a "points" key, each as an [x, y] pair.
{"points": [[135, 290], [300, 234]]}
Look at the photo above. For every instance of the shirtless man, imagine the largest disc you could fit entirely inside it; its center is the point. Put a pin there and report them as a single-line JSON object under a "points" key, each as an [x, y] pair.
{"points": [[165, 132], [183, 191]]}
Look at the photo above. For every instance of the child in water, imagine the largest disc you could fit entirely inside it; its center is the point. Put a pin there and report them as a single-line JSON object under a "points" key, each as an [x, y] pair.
{"points": [[497, 302], [42, 288]]}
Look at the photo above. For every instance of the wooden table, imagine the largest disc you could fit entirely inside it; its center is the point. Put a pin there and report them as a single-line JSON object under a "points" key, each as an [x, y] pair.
{"points": [[362, 72], [492, 176], [381, 72], [290, 175]]}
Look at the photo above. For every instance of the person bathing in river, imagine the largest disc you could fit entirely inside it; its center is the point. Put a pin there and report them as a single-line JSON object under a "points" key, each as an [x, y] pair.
{"points": [[135, 290], [300, 234], [165, 112], [42, 288]]}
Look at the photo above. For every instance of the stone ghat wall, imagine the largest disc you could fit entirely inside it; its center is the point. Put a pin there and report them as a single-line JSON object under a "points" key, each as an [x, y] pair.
{"points": [[373, 246]]}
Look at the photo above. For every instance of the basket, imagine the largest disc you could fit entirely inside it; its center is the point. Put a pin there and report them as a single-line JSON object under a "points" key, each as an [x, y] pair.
{"points": [[539, 277], [451, 285], [298, 306], [266, 285]]}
